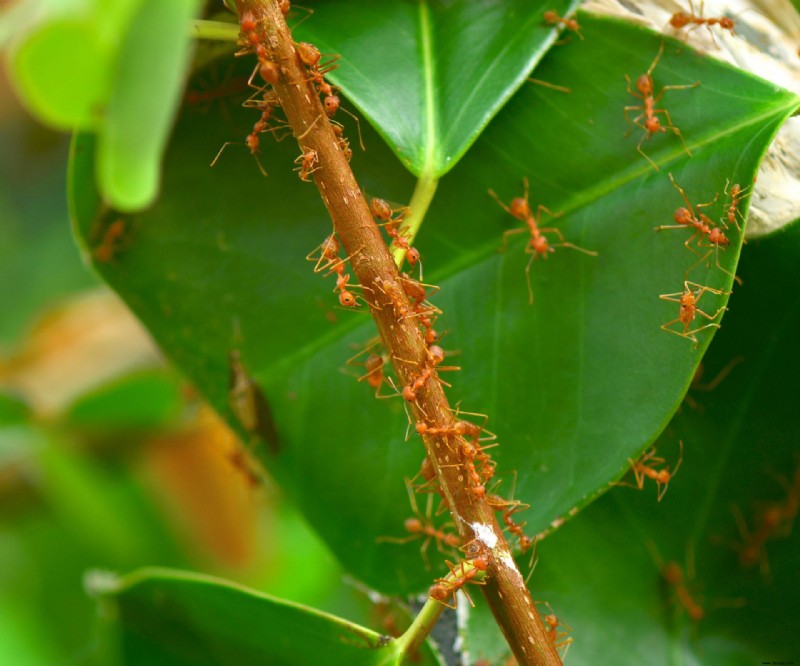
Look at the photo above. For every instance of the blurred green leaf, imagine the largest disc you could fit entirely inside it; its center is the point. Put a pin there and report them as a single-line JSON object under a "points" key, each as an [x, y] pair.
{"points": [[144, 400], [13, 410], [208, 271], [173, 617], [62, 57], [115, 68], [430, 75], [144, 96]]}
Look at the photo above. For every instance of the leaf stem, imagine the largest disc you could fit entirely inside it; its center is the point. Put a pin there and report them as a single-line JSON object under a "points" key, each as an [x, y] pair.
{"points": [[218, 31], [418, 207], [415, 635]]}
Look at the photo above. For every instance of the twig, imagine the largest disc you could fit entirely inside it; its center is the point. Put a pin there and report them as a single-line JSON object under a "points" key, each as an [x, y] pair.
{"points": [[372, 263]]}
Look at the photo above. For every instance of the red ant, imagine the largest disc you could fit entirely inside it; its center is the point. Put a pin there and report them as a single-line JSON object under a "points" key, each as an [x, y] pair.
{"points": [[688, 299], [673, 576], [552, 18], [374, 365], [310, 56], [752, 547], [307, 162], [559, 639], [209, 96], [432, 365], [328, 254], [772, 521], [383, 212], [644, 467], [467, 571], [422, 526], [267, 105], [509, 508], [652, 123], [112, 241], [250, 39], [681, 19], [538, 245], [703, 229], [736, 194]]}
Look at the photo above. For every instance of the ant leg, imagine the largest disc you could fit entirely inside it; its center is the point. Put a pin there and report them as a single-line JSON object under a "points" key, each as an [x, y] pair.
{"points": [[510, 232], [528, 277], [672, 127], [224, 146], [655, 61], [545, 84], [643, 154], [540, 209], [564, 243]]}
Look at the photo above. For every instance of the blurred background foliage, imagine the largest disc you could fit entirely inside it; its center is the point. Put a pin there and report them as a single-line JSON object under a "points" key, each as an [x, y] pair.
{"points": [[108, 459]]}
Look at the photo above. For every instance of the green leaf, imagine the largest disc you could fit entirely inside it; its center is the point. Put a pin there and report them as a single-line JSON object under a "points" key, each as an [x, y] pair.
{"points": [[430, 75], [13, 410], [183, 618], [575, 384], [143, 400], [62, 58], [740, 455], [142, 103]]}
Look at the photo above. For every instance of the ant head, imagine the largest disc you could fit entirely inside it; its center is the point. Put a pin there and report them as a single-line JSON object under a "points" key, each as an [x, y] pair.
{"points": [[409, 394], [520, 208], [550, 16], [481, 563], [644, 84], [467, 428], [672, 573], [252, 142], [347, 298], [248, 22], [431, 337], [718, 237], [381, 209], [330, 247], [331, 104], [653, 125], [696, 613], [413, 525], [439, 592], [726, 23], [663, 476], [308, 53], [682, 216], [269, 71], [412, 256], [540, 245], [373, 362], [680, 20], [436, 354]]}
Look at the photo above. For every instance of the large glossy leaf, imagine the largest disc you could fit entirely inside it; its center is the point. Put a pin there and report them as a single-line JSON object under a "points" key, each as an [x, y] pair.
{"points": [[430, 75], [600, 572], [575, 384], [173, 617]]}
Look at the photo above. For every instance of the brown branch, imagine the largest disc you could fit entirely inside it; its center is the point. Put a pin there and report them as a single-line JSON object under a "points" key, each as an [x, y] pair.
{"points": [[372, 263]]}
